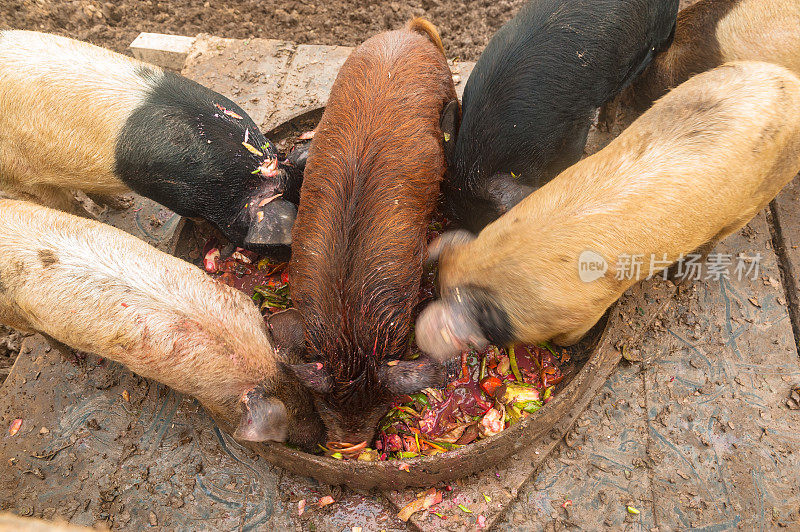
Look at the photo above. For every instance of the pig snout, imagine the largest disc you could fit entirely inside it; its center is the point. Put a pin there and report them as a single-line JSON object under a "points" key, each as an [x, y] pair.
{"points": [[446, 328], [466, 318]]}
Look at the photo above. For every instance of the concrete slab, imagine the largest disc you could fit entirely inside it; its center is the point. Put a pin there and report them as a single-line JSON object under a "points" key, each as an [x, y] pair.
{"points": [[249, 72], [461, 71], [147, 220], [166, 51], [275, 81], [724, 446], [311, 73], [786, 216]]}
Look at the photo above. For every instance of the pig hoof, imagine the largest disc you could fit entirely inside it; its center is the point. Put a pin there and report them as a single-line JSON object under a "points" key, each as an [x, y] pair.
{"points": [[445, 329], [264, 418], [272, 224]]}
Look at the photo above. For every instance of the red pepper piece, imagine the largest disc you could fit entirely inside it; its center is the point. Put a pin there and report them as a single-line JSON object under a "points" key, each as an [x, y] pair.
{"points": [[490, 385]]}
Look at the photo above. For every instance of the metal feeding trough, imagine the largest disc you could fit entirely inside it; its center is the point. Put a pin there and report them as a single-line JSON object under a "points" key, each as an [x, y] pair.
{"points": [[592, 360]]}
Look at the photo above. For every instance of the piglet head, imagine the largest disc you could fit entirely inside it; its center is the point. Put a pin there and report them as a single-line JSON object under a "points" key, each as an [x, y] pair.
{"points": [[282, 408], [351, 408], [351, 411]]}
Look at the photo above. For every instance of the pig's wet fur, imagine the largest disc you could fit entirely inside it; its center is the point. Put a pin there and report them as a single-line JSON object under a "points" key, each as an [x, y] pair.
{"points": [[96, 289], [370, 187], [179, 149], [531, 97]]}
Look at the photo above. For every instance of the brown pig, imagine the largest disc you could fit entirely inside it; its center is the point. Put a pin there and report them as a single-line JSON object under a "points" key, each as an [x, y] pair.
{"points": [[690, 171], [370, 186], [712, 32], [92, 287]]}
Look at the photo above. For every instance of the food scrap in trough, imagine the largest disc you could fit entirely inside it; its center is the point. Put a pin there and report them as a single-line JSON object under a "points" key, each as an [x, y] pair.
{"points": [[494, 388], [423, 502]]}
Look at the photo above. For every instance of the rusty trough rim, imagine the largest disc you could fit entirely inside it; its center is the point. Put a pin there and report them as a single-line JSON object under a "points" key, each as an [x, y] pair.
{"points": [[464, 461]]}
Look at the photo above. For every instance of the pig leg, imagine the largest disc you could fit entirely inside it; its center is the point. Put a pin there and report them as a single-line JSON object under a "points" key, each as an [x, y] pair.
{"points": [[116, 202], [677, 274], [49, 196], [607, 115]]}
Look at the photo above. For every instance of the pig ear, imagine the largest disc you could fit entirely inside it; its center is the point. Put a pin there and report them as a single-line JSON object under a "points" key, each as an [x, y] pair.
{"points": [[449, 122], [299, 155], [271, 224], [451, 238], [287, 330], [313, 376], [411, 376], [504, 191], [263, 418]]}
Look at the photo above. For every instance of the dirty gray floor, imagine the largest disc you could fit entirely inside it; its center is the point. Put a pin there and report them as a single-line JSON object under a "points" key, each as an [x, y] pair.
{"points": [[693, 432]]}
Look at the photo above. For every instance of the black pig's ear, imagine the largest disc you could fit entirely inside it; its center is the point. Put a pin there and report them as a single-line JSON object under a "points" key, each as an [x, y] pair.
{"points": [[274, 225], [313, 376], [298, 157], [449, 122], [410, 376], [264, 418], [504, 191], [288, 331]]}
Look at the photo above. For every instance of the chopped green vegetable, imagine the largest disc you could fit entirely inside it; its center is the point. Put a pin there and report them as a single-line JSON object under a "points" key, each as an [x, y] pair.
{"points": [[421, 398], [530, 406], [514, 368], [338, 456], [520, 393], [464, 509], [406, 454], [547, 346], [447, 137], [633, 511], [547, 393], [487, 498], [437, 514], [272, 297]]}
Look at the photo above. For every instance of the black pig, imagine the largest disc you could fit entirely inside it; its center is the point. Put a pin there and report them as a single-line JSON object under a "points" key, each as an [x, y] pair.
{"points": [[529, 102]]}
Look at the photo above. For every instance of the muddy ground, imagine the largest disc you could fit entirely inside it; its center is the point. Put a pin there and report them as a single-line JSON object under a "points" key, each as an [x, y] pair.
{"points": [[466, 26]]}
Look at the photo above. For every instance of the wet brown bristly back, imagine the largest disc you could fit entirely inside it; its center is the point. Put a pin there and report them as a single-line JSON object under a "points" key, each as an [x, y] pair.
{"points": [[370, 186]]}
